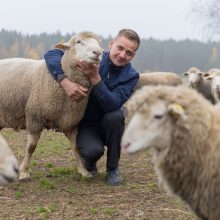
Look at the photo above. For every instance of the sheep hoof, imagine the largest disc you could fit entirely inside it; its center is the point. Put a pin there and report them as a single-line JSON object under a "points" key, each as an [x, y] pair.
{"points": [[89, 175], [25, 177], [85, 173]]}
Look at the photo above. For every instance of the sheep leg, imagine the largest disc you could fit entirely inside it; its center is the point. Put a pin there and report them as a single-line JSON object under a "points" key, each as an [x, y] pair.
{"points": [[79, 161], [32, 140]]}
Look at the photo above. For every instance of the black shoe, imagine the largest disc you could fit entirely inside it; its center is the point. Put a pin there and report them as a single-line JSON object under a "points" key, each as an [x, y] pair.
{"points": [[91, 167], [114, 177]]}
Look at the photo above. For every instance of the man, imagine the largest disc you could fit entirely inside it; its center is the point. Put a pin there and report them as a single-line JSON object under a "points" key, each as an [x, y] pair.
{"points": [[113, 82]]}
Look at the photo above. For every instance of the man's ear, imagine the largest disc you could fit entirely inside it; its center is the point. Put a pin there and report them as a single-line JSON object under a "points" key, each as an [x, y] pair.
{"points": [[111, 43], [63, 46]]}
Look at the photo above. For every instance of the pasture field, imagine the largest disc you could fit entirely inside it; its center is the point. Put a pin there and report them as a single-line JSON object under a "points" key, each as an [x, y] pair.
{"points": [[57, 192]]}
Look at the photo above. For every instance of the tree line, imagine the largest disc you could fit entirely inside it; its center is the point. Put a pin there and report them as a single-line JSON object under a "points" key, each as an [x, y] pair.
{"points": [[153, 55]]}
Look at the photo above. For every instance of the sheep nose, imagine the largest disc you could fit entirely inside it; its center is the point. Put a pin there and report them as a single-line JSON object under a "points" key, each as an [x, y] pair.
{"points": [[97, 53], [15, 168]]}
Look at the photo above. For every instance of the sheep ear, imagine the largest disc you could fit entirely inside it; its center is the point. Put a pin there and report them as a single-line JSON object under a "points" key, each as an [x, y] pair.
{"points": [[176, 110], [63, 46], [206, 74]]}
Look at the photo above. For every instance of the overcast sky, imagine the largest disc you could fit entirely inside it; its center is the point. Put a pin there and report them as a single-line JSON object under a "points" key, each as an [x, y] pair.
{"points": [[160, 19]]}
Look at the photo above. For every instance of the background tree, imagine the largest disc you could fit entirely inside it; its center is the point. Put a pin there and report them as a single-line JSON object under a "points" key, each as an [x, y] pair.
{"points": [[154, 55], [207, 15]]}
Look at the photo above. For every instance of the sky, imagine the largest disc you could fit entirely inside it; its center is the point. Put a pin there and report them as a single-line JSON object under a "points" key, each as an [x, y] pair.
{"points": [[160, 19]]}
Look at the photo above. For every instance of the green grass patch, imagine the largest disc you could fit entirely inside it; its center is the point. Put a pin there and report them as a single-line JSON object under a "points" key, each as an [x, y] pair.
{"points": [[33, 163], [50, 165], [18, 195], [136, 186], [46, 184], [108, 211], [152, 186], [63, 171], [94, 211], [45, 211]]}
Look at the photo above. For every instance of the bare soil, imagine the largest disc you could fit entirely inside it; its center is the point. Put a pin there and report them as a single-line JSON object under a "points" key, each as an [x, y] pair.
{"points": [[57, 192]]}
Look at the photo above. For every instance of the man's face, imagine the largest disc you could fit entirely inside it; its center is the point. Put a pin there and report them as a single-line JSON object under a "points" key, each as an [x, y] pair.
{"points": [[122, 50]]}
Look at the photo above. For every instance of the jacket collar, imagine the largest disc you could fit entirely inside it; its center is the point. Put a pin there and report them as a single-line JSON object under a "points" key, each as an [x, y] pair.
{"points": [[112, 68]]}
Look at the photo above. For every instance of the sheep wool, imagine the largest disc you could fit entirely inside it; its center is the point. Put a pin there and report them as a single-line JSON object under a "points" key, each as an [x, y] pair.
{"points": [[158, 78], [214, 78], [182, 129], [32, 99]]}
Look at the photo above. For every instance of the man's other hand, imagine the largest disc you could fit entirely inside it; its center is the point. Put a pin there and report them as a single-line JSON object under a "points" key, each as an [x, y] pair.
{"points": [[74, 90]]}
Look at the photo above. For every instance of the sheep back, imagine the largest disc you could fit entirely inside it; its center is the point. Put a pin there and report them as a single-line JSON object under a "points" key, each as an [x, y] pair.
{"points": [[15, 88], [29, 92], [158, 78]]}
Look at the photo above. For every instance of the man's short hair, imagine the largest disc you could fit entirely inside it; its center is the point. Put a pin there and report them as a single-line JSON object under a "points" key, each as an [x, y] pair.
{"points": [[131, 35]]}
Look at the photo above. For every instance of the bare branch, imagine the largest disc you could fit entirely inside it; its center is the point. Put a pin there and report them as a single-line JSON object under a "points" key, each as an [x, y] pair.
{"points": [[207, 13]]}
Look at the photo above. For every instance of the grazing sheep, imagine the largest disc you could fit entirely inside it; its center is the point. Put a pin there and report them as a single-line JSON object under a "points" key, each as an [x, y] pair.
{"points": [[8, 163], [182, 129], [197, 80], [31, 99], [158, 78]]}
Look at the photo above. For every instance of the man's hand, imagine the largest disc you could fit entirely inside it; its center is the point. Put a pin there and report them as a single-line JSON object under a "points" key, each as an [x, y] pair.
{"points": [[73, 90], [90, 70]]}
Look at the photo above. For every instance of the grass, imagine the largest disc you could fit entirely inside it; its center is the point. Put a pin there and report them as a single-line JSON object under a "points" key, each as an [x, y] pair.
{"points": [[94, 211], [46, 184], [57, 191], [18, 195], [109, 211]]}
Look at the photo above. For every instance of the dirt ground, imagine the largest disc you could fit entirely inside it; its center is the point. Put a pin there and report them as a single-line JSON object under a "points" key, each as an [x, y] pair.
{"points": [[57, 192]]}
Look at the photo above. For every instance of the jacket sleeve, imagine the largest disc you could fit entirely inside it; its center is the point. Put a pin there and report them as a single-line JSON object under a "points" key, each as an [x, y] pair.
{"points": [[53, 62], [113, 100]]}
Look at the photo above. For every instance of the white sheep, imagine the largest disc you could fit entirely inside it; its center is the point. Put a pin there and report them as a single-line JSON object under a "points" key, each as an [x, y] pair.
{"points": [[31, 99], [182, 129], [158, 78], [197, 80], [213, 70], [8, 163], [214, 78]]}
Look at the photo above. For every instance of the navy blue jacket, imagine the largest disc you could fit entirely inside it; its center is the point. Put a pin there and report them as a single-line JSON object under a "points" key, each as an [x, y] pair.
{"points": [[109, 94]]}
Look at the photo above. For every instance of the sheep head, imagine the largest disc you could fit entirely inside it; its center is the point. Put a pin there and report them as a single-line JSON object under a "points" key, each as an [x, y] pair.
{"points": [[152, 117], [85, 46], [8, 163], [194, 76]]}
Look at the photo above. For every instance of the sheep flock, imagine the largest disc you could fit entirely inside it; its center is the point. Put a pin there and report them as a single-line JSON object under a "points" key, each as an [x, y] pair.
{"points": [[206, 83], [179, 124]]}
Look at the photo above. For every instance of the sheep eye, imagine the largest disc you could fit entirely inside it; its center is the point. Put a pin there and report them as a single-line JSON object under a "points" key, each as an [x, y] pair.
{"points": [[78, 42], [158, 116]]}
